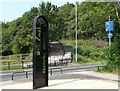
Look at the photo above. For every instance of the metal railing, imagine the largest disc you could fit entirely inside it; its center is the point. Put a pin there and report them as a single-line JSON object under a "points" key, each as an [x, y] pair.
{"points": [[51, 70], [26, 73]]}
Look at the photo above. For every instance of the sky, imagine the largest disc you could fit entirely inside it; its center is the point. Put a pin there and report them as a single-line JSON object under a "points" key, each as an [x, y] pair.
{"points": [[12, 9]]}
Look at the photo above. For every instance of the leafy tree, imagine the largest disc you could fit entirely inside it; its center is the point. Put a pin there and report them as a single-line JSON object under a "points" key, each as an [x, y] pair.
{"points": [[22, 41], [67, 13], [56, 24], [91, 19], [8, 33], [114, 58], [17, 34]]}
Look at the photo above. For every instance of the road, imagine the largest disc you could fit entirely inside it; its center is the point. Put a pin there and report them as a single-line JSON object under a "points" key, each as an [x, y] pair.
{"points": [[72, 77], [7, 75]]}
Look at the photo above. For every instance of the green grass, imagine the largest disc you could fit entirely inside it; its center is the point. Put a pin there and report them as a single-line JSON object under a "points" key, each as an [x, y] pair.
{"points": [[89, 61], [13, 59], [11, 68], [5, 62], [91, 52], [109, 70]]}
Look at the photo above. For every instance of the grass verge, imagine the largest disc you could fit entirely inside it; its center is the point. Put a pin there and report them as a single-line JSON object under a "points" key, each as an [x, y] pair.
{"points": [[11, 68], [107, 69]]}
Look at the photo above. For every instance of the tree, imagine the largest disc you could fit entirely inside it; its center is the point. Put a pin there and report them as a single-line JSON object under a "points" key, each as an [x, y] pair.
{"points": [[114, 58], [67, 14], [17, 34], [56, 24], [92, 18]]}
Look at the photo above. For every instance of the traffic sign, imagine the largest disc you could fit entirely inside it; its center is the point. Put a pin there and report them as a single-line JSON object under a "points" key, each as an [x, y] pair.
{"points": [[109, 26], [110, 35]]}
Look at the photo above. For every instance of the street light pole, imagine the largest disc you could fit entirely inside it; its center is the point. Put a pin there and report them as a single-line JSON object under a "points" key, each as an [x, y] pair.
{"points": [[76, 29]]}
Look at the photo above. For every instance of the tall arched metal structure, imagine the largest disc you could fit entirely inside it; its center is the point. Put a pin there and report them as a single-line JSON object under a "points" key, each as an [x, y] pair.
{"points": [[40, 52]]}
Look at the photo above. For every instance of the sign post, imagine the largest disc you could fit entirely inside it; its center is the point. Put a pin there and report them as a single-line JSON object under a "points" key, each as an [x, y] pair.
{"points": [[109, 27], [110, 36]]}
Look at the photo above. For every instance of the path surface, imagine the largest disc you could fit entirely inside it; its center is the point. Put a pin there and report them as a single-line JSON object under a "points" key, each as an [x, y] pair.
{"points": [[70, 79]]}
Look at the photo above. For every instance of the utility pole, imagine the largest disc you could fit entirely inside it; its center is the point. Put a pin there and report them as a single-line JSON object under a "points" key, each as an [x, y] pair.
{"points": [[76, 29]]}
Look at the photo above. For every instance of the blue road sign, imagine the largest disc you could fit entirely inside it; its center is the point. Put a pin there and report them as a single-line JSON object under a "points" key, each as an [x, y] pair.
{"points": [[109, 26], [110, 35]]}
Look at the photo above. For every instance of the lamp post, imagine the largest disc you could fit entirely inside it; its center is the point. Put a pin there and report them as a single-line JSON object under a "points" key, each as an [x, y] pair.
{"points": [[76, 29]]}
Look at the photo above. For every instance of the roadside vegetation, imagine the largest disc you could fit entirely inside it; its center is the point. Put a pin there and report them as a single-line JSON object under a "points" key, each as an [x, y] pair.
{"points": [[92, 37], [11, 68], [89, 51], [16, 61]]}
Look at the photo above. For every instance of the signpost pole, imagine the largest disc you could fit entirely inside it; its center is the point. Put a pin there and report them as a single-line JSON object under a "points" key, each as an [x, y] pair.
{"points": [[109, 33], [109, 40], [109, 27]]}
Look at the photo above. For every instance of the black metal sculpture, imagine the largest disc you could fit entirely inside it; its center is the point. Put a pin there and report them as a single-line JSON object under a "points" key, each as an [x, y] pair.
{"points": [[40, 52]]}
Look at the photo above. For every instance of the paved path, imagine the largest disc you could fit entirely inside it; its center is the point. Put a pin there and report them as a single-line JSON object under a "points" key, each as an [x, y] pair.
{"points": [[69, 80], [81, 84], [67, 84]]}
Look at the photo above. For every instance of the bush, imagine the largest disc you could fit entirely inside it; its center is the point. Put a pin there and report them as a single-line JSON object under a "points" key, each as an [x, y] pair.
{"points": [[109, 69], [87, 51], [80, 58]]}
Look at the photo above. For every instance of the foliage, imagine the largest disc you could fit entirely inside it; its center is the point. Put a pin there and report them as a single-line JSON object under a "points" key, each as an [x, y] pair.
{"points": [[17, 34], [87, 51], [56, 24], [114, 50], [93, 17], [11, 68], [67, 14]]}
